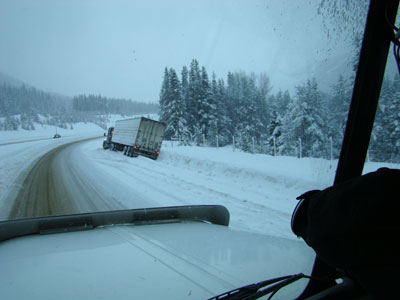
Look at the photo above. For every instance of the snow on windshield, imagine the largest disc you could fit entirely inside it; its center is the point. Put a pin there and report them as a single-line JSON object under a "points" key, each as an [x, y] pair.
{"points": [[254, 96]]}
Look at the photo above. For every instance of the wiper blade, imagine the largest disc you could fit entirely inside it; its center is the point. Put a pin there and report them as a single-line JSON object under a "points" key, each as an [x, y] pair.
{"points": [[255, 290]]}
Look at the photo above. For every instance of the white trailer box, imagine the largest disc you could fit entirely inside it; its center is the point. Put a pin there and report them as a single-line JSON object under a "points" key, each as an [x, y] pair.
{"points": [[126, 131], [138, 136]]}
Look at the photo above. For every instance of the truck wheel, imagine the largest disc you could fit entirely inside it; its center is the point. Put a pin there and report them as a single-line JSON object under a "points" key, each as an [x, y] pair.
{"points": [[132, 153], [105, 146], [125, 148]]}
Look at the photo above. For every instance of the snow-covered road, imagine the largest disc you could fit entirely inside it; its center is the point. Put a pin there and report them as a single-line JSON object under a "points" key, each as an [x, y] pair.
{"points": [[258, 190], [57, 185]]}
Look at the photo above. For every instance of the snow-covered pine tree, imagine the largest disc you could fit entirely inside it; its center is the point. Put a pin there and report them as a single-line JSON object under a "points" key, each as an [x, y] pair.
{"points": [[205, 100], [219, 123], [174, 106], [249, 114], [185, 135], [280, 102], [193, 97], [213, 125], [164, 97], [305, 122], [232, 101], [279, 107], [197, 136], [338, 107], [263, 112], [224, 122], [385, 139], [275, 142]]}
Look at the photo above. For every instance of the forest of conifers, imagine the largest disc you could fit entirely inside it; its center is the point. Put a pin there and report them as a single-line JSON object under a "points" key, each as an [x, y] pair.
{"points": [[20, 106], [242, 110]]}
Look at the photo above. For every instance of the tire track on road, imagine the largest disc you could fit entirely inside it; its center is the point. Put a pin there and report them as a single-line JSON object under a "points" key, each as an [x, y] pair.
{"points": [[44, 191]]}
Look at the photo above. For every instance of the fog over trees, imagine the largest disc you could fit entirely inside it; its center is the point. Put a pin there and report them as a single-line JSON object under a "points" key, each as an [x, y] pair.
{"points": [[21, 105]]}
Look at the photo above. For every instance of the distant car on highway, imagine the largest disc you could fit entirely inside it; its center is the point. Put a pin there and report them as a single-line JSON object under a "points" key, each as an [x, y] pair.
{"points": [[56, 136]]}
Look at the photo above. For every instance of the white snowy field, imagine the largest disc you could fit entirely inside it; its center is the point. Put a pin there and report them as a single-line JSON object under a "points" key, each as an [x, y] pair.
{"points": [[258, 190]]}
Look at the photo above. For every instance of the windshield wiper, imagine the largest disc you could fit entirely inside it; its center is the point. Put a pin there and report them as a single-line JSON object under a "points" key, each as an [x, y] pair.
{"points": [[255, 290]]}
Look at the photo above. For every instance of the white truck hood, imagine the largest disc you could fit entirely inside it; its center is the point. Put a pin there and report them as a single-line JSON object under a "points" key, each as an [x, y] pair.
{"points": [[189, 260]]}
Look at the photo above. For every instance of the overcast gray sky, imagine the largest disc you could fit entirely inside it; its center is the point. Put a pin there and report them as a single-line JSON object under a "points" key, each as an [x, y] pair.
{"points": [[119, 48]]}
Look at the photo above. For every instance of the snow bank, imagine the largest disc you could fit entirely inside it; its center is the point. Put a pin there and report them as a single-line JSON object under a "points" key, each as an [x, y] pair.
{"points": [[259, 190]]}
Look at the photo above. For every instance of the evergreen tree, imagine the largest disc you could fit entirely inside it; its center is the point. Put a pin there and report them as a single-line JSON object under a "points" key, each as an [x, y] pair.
{"points": [[164, 96], [213, 126], [174, 106], [171, 105], [338, 107], [232, 102], [218, 119], [185, 84], [304, 123], [385, 139], [206, 104], [223, 120], [275, 142], [194, 97], [280, 102]]}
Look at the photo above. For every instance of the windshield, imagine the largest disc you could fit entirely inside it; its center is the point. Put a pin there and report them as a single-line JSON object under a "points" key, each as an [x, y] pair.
{"points": [[109, 105]]}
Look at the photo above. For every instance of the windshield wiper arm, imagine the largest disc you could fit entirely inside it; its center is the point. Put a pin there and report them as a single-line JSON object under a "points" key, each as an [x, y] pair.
{"points": [[255, 291]]}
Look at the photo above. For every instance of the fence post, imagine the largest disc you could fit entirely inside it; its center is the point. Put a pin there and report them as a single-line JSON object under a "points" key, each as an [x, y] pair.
{"points": [[274, 146], [330, 138], [217, 140], [233, 143], [253, 144], [300, 148]]}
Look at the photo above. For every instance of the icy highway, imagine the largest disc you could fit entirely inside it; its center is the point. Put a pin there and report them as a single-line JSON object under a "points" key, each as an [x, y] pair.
{"points": [[56, 185], [80, 176]]}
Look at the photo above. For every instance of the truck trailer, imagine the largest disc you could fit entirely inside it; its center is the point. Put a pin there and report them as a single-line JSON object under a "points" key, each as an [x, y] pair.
{"points": [[137, 136]]}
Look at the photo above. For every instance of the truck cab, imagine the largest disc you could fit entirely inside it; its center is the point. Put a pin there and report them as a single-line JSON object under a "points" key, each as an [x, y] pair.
{"points": [[107, 139]]}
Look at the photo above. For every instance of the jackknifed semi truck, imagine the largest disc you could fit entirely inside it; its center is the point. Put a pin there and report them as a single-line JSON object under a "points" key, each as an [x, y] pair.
{"points": [[137, 136]]}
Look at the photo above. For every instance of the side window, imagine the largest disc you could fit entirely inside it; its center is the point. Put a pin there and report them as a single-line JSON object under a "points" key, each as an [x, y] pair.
{"points": [[384, 146]]}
